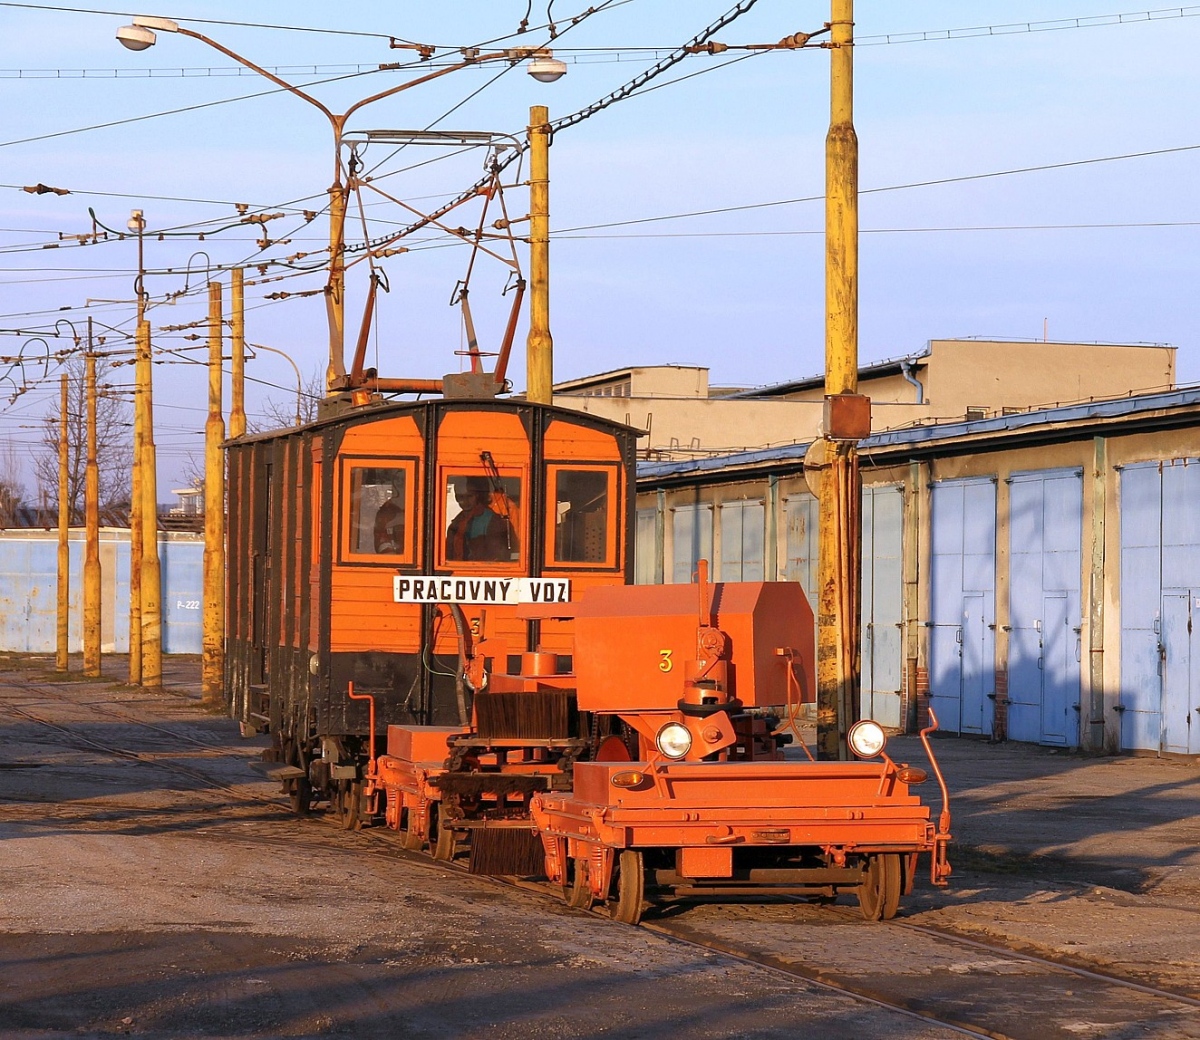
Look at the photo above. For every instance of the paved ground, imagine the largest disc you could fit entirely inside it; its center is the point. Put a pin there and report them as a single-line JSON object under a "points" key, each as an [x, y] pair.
{"points": [[138, 902]]}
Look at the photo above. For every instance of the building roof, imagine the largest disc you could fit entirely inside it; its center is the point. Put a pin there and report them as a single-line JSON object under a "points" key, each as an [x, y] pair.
{"points": [[887, 367], [1064, 422]]}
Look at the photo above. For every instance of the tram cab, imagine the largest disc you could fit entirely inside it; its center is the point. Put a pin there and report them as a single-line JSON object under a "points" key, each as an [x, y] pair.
{"points": [[374, 546]]}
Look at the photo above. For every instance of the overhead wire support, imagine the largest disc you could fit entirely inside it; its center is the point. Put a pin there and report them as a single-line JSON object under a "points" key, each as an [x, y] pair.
{"points": [[659, 67], [620, 94]]}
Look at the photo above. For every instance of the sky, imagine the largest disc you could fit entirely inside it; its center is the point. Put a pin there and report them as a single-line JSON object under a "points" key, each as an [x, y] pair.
{"points": [[1027, 171]]}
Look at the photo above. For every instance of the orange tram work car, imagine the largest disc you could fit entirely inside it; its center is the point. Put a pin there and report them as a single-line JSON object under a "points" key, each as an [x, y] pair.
{"points": [[430, 609]]}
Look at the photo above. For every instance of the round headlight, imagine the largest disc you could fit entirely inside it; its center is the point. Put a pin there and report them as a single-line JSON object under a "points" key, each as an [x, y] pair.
{"points": [[674, 740], [866, 738]]}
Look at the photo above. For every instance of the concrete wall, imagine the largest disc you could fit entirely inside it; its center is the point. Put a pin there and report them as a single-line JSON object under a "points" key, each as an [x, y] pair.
{"points": [[29, 591]]}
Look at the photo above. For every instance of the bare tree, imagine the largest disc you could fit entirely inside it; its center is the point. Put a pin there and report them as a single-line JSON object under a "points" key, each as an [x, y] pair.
{"points": [[114, 442], [12, 489], [277, 412]]}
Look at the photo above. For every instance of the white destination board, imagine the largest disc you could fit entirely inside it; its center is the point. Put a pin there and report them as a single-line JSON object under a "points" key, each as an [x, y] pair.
{"points": [[435, 588]]}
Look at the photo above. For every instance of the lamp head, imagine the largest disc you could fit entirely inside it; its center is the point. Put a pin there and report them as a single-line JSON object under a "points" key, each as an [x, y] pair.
{"points": [[546, 68], [140, 35], [136, 37]]}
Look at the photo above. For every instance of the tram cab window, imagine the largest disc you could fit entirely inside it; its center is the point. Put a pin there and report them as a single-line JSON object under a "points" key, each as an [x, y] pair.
{"points": [[378, 500], [582, 504], [482, 518]]}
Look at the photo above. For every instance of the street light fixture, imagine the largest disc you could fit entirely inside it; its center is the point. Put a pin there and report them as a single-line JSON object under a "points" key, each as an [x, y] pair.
{"points": [[543, 66]]}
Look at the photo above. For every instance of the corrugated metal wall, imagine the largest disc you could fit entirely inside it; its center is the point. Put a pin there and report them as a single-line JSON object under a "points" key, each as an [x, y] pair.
{"points": [[29, 591], [882, 602], [1044, 649], [963, 593], [1160, 596]]}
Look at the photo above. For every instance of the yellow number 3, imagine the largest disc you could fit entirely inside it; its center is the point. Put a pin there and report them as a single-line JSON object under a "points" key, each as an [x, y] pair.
{"points": [[665, 664]]}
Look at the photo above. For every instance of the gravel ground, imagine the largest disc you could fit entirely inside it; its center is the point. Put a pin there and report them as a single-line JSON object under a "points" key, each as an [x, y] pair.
{"points": [[147, 901]]}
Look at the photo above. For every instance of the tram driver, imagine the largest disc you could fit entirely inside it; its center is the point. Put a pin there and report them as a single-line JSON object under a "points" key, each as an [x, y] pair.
{"points": [[478, 532], [389, 520]]}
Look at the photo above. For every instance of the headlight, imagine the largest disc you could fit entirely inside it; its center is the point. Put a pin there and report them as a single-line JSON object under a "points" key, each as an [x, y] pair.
{"points": [[866, 738], [674, 740]]}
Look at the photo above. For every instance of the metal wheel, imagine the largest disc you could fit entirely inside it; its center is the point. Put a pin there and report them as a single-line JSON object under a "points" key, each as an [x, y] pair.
{"points": [[578, 892], [409, 838], [300, 792], [441, 840], [629, 888], [350, 796], [879, 893]]}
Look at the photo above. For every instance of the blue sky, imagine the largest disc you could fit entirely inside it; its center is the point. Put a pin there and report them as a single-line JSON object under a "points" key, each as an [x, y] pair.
{"points": [[741, 291]]}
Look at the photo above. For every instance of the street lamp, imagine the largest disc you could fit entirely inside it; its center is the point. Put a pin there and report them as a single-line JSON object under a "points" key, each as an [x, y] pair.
{"points": [[295, 368], [543, 66]]}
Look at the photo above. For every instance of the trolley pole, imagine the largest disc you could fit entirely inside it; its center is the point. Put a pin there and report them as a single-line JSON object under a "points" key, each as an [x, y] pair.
{"points": [[237, 405], [539, 354], [212, 677], [91, 523], [335, 292], [64, 521], [847, 415]]}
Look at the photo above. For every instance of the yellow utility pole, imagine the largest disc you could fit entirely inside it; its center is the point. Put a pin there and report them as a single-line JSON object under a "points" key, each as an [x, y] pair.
{"points": [[148, 634], [212, 668], [151, 571], [847, 415], [539, 352], [135, 551], [237, 406], [137, 224], [64, 522], [91, 522]]}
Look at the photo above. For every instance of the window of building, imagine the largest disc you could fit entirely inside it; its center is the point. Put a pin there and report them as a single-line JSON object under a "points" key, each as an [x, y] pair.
{"points": [[976, 411], [379, 520], [582, 502], [691, 538], [647, 565], [482, 518], [742, 536]]}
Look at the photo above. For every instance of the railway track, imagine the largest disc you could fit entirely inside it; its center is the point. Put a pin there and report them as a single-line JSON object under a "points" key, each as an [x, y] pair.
{"points": [[970, 987]]}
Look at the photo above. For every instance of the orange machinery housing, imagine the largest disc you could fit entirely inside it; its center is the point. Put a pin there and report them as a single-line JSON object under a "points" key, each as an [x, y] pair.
{"points": [[342, 568], [709, 805]]}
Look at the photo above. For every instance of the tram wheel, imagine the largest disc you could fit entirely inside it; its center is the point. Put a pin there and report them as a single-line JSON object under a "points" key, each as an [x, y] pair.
{"points": [[629, 888], [350, 796], [409, 838], [879, 893], [300, 792], [442, 840], [578, 891]]}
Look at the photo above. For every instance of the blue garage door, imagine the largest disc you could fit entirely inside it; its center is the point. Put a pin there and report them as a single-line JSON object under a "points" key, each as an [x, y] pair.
{"points": [[963, 596], [1160, 600], [882, 603], [1045, 532]]}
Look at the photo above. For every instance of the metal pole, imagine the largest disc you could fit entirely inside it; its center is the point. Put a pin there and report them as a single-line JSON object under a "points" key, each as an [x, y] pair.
{"points": [[151, 571], [91, 522], [237, 407], [64, 521], [840, 521], [212, 669], [539, 354], [136, 525]]}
